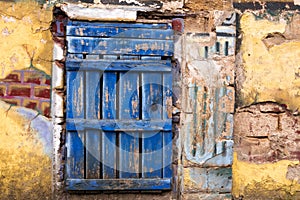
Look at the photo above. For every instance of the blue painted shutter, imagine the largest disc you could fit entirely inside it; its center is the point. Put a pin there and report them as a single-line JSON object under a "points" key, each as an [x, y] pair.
{"points": [[119, 106]]}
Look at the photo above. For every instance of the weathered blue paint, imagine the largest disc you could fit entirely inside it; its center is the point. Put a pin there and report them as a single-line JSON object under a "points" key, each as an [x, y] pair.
{"points": [[120, 46], [109, 95], [119, 65], [119, 125], [152, 155], [119, 98], [93, 156], [118, 184], [129, 155], [75, 154], [92, 95]]}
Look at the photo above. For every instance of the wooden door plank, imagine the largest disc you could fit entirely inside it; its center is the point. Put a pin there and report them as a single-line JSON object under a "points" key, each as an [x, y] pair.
{"points": [[129, 155], [75, 154], [167, 154], [167, 96], [75, 94], [129, 103], [93, 154], [93, 98], [109, 155], [152, 96], [152, 155], [109, 95]]}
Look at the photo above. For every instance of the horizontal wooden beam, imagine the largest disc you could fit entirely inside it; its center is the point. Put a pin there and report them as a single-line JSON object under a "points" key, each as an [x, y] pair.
{"points": [[119, 125], [118, 65], [117, 184]]}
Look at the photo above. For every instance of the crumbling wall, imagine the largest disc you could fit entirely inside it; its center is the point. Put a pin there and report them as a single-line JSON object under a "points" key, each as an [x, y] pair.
{"points": [[266, 130]]}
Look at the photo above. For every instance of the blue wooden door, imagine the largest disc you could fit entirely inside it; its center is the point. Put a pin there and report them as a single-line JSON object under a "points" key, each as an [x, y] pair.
{"points": [[119, 106]]}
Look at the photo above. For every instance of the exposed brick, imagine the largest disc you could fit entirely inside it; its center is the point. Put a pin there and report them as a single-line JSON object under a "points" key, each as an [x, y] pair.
{"points": [[255, 124], [14, 77], [32, 104], [48, 81], [42, 91], [178, 25], [45, 109], [19, 90], [35, 77], [2, 90]]}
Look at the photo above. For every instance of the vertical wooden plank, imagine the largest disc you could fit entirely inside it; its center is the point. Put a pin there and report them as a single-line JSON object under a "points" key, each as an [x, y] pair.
{"points": [[129, 155], [93, 105], [93, 149], [167, 154], [152, 96], [109, 154], [167, 96], [129, 96], [109, 95], [152, 155], [75, 154], [75, 94]]}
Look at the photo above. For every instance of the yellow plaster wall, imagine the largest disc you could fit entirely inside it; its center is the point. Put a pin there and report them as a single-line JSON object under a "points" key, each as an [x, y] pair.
{"points": [[263, 181], [25, 33], [25, 170], [269, 73]]}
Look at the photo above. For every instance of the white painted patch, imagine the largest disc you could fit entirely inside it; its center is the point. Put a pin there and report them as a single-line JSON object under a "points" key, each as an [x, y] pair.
{"points": [[297, 2], [99, 13], [8, 19]]}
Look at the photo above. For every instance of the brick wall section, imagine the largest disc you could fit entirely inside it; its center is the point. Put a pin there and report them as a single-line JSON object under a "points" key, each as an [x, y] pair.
{"points": [[266, 132], [29, 88]]}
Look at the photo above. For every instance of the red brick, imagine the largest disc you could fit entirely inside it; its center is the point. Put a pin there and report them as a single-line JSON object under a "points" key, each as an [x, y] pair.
{"points": [[17, 90], [48, 81], [32, 104], [45, 108], [2, 90], [14, 77], [33, 77], [43, 92]]}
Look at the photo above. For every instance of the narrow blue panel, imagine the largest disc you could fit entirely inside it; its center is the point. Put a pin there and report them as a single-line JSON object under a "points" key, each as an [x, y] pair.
{"points": [[93, 99], [93, 149], [119, 125], [167, 96], [152, 97], [75, 94], [109, 155], [117, 32], [152, 155], [75, 154], [120, 46], [98, 25], [118, 184], [129, 107], [109, 95], [120, 65], [167, 154], [129, 155]]}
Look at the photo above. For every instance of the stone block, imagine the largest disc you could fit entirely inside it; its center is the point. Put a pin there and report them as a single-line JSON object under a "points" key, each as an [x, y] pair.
{"points": [[195, 179], [206, 196], [220, 180]]}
